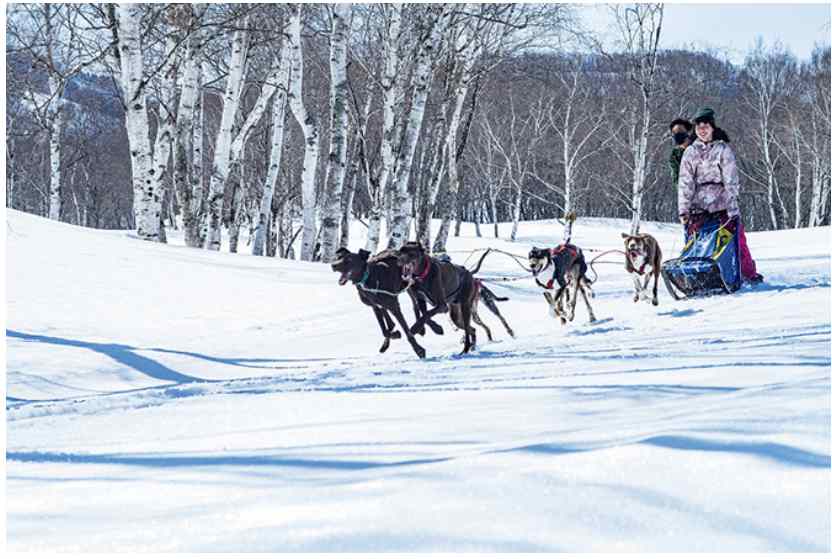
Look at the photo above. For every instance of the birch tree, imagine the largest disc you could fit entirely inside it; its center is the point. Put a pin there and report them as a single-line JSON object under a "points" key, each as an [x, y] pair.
{"points": [[309, 124], [428, 44], [222, 151], [392, 97], [185, 150], [337, 160], [639, 27], [819, 135], [576, 117], [50, 36], [275, 156], [147, 195], [515, 138], [768, 79]]}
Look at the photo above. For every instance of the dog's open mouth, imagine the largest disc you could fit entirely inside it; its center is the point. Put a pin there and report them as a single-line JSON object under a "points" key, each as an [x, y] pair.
{"points": [[345, 277], [407, 270]]}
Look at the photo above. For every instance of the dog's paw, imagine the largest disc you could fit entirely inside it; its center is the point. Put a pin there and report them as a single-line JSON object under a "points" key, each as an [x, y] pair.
{"points": [[384, 345], [655, 302], [395, 335], [420, 351], [417, 330], [436, 328]]}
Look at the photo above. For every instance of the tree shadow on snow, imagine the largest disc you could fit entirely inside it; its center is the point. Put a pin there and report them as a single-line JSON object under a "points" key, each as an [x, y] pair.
{"points": [[784, 454], [191, 460], [123, 354], [127, 355]]}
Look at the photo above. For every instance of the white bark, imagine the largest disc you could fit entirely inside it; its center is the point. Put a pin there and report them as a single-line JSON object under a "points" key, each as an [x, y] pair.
{"points": [[337, 161], [467, 61], [222, 150], [391, 87], [198, 171], [278, 129], [515, 222], [308, 122], [423, 75], [640, 27], [183, 139], [55, 127], [147, 205]]}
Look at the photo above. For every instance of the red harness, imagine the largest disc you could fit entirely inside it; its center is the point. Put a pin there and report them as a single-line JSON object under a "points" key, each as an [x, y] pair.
{"points": [[424, 274], [554, 252], [571, 249]]}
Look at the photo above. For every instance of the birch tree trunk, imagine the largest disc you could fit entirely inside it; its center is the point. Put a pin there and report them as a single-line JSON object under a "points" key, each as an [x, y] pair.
{"points": [[337, 161], [278, 128], [423, 75], [147, 205], [183, 139], [640, 168], [309, 125], [197, 178], [55, 128], [461, 92], [518, 197], [222, 150], [391, 88], [346, 207]]}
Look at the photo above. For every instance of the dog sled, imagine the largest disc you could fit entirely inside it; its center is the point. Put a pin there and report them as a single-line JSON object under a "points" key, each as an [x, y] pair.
{"points": [[709, 263]]}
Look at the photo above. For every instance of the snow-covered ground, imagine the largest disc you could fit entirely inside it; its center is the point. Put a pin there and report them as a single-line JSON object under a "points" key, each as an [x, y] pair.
{"points": [[161, 398]]}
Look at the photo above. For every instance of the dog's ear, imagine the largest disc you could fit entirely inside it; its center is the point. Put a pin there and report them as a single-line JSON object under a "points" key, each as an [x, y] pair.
{"points": [[625, 236], [363, 254], [341, 252]]}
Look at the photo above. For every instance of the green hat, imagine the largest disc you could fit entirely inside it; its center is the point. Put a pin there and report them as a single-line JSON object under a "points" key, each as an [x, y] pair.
{"points": [[705, 114]]}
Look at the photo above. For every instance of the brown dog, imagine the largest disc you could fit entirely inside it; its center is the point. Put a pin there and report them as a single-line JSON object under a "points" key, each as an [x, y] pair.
{"points": [[450, 288], [643, 258]]}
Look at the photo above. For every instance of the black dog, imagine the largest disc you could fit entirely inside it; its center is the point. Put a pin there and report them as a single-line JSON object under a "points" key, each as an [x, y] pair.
{"points": [[568, 269], [450, 288], [379, 281]]}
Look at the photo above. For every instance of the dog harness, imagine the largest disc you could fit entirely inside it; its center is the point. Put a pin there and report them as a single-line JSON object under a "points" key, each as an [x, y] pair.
{"points": [[362, 285], [553, 254], [450, 296]]}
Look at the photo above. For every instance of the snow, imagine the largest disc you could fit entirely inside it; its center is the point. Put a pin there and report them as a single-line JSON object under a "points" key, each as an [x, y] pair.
{"points": [[162, 398]]}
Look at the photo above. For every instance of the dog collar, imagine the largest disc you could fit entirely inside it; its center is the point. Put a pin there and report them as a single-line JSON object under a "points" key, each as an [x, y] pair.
{"points": [[424, 274], [364, 277]]}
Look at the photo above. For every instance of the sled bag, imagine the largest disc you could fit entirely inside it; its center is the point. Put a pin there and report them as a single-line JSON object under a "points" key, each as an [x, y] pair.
{"points": [[709, 263]]}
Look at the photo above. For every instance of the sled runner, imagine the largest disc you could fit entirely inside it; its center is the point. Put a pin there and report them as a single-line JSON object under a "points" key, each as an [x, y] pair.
{"points": [[709, 263]]}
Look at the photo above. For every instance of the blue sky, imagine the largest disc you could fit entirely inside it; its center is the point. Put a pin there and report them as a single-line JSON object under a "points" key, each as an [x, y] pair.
{"points": [[734, 27]]}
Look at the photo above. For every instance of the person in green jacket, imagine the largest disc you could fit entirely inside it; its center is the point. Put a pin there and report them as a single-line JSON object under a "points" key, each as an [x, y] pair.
{"points": [[680, 130]]}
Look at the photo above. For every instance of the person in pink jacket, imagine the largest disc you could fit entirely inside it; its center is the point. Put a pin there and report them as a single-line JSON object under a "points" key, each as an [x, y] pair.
{"points": [[709, 187]]}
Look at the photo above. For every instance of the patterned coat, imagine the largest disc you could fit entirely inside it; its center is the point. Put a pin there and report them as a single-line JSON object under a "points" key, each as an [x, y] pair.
{"points": [[708, 179]]}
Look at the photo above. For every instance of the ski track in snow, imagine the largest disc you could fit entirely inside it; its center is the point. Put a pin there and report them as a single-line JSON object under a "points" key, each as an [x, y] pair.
{"points": [[265, 421]]}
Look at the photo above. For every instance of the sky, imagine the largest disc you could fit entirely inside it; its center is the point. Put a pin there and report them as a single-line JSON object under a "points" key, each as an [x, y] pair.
{"points": [[735, 27]]}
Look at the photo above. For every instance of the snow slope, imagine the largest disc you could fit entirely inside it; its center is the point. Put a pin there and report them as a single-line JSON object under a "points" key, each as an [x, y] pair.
{"points": [[161, 398]]}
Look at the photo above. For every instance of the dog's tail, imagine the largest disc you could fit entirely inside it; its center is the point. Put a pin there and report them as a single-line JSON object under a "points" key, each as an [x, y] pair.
{"points": [[477, 267], [488, 294]]}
